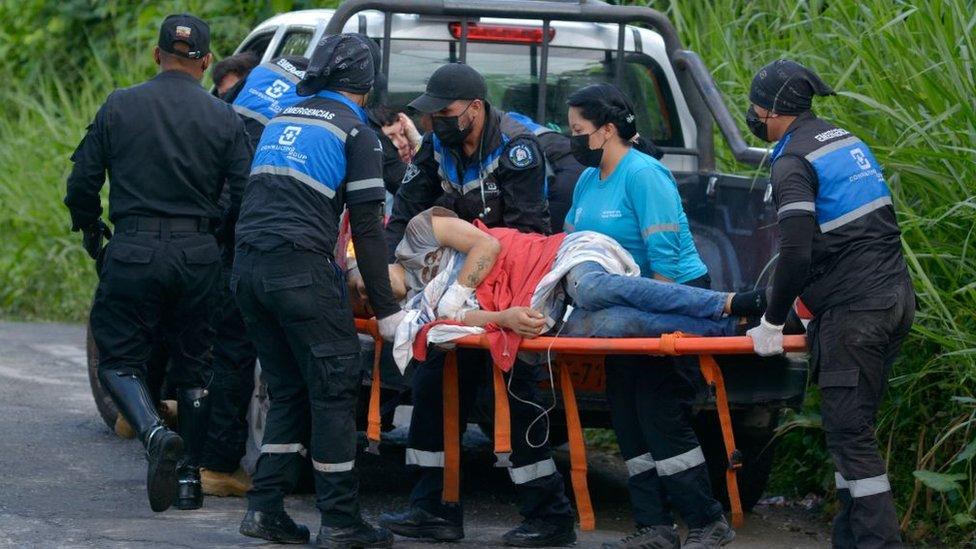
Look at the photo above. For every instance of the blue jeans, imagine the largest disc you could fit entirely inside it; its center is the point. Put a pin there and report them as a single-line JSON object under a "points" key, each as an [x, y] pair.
{"points": [[607, 305]]}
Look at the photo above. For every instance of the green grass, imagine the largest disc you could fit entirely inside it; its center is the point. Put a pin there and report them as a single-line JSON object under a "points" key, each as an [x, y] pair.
{"points": [[905, 76], [906, 83]]}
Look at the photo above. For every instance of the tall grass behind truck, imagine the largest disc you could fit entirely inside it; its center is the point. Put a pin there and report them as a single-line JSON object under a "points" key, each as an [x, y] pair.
{"points": [[533, 55]]}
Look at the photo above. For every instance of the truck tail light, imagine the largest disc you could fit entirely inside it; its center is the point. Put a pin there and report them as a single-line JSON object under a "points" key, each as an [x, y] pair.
{"points": [[501, 33]]}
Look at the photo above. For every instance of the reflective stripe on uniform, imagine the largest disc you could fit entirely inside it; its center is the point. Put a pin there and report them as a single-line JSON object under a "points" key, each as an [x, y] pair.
{"points": [[855, 214], [363, 184], [640, 464], [343, 467], [660, 228], [869, 486], [311, 122], [797, 206], [831, 147], [244, 111], [840, 482], [528, 473], [282, 71], [292, 448], [315, 184], [681, 462], [423, 458]]}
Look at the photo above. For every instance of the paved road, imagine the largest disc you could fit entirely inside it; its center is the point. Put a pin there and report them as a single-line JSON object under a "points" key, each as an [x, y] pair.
{"points": [[67, 481]]}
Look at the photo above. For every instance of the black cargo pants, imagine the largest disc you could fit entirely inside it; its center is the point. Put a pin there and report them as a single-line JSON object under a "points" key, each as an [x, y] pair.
{"points": [[233, 380], [299, 318], [651, 411], [853, 347], [538, 485], [155, 282]]}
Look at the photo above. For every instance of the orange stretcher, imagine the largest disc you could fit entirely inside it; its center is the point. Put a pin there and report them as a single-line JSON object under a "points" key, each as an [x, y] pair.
{"points": [[578, 350]]}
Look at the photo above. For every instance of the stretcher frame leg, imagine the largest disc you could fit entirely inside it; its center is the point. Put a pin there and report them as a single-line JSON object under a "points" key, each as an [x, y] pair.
{"points": [[503, 420], [374, 420], [577, 452], [713, 376], [452, 431]]}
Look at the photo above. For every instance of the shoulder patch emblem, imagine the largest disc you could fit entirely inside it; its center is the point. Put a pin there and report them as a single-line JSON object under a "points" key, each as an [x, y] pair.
{"points": [[521, 156]]}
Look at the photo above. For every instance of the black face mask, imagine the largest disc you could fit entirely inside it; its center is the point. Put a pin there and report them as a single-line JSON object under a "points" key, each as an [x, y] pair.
{"points": [[448, 128], [756, 125], [579, 146]]}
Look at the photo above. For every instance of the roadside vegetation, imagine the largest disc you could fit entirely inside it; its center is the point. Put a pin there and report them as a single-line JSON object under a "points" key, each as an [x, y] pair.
{"points": [[906, 83]]}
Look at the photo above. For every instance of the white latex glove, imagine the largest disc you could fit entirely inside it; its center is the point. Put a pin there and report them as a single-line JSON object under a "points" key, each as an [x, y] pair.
{"points": [[388, 325], [767, 339], [453, 300]]}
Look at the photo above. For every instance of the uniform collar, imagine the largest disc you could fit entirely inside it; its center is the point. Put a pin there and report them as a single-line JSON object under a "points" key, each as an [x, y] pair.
{"points": [[336, 96], [803, 118], [178, 75]]}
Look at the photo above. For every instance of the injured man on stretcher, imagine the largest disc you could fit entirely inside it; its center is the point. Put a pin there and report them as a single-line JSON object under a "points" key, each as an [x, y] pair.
{"points": [[456, 279]]}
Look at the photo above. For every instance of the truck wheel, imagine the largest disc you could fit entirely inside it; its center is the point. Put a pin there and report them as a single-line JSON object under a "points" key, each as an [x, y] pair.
{"points": [[106, 407], [754, 439]]}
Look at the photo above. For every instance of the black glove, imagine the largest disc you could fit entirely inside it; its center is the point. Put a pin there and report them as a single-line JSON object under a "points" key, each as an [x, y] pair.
{"points": [[93, 235]]}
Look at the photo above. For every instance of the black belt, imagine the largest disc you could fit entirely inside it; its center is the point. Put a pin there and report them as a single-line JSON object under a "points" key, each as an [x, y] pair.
{"points": [[165, 224]]}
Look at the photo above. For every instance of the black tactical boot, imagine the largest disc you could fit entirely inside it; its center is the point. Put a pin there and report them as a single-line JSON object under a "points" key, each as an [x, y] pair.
{"points": [[417, 523], [164, 448], [193, 406], [540, 533], [648, 537], [358, 535], [275, 527], [714, 534]]}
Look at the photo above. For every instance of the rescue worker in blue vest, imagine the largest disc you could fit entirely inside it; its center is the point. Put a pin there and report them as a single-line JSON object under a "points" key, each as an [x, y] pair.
{"points": [[170, 147], [268, 89], [483, 165], [840, 251], [314, 159], [263, 93]]}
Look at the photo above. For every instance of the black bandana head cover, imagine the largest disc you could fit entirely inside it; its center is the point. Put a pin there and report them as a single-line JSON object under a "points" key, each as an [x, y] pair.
{"points": [[786, 87], [341, 62]]}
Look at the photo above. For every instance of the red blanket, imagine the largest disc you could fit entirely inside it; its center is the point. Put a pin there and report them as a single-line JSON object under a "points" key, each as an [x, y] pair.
{"points": [[524, 260]]}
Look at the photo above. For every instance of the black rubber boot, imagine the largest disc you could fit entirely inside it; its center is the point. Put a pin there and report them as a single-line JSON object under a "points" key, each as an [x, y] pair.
{"points": [[194, 411], [363, 535], [275, 527], [417, 523], [164, 448], [540, 533]]}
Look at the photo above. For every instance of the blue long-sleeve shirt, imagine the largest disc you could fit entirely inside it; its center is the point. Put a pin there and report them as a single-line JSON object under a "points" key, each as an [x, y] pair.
{"points": [[639, 207]]}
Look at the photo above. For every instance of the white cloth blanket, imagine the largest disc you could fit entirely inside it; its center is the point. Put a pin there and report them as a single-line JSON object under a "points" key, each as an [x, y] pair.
{"points": [[421, 309]]}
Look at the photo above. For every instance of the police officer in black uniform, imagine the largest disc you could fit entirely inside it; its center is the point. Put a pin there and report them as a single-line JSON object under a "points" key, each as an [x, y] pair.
{"points": [[170, 147], [314, 159], [483, 165], [265, 91], [840, 251]]}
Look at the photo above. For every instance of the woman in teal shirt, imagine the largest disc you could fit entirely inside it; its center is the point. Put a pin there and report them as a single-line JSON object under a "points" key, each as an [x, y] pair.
{"points": [[629, 195]]}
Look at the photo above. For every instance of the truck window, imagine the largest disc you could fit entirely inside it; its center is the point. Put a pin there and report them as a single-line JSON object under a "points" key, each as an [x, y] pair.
{"points": [[295, 42], [511, 71], [258, 44]]}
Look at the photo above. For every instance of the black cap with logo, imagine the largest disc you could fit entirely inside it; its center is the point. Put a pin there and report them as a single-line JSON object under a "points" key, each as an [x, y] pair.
{"points": [[186, 28], [448, 84]]}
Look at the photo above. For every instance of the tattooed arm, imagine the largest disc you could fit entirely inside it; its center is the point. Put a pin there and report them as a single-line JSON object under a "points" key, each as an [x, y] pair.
{"points": [[481, 248]]}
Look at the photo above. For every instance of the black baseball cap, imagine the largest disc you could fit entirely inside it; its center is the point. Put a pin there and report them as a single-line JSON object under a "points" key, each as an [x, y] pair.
{"points": [[186, 28], [448, 84]]}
